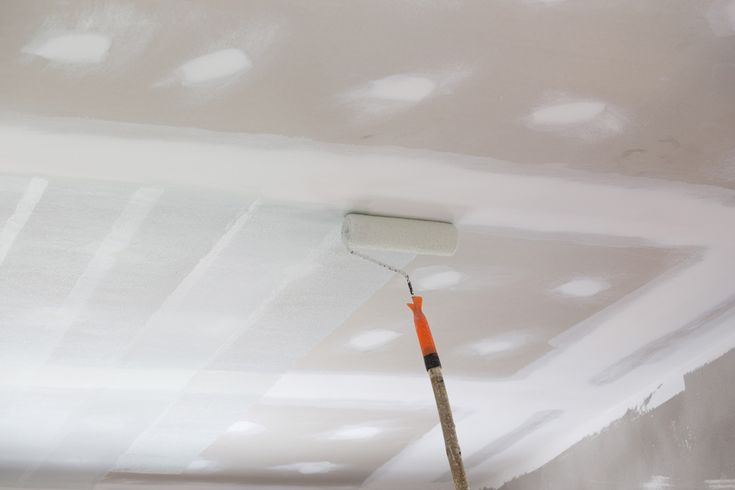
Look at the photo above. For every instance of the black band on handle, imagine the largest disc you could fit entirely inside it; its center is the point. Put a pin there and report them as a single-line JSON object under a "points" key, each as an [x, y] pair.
{"points": [[432, 361]]}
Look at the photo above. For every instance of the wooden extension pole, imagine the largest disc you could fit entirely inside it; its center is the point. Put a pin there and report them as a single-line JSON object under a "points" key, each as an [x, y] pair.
{"points": [[433, 366]]}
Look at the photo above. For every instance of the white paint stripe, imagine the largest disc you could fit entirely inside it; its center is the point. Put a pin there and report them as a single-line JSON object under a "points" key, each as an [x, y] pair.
{"points": [[273, 338], [177, 296], [305, 266], [204, 264], [295, 317], [122, 232], [179, 457], [172, 302], [320, 274], [24, 209]]}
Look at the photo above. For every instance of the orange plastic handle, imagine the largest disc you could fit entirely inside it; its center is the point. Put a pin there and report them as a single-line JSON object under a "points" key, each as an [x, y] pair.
{"points": [[426, 341]]}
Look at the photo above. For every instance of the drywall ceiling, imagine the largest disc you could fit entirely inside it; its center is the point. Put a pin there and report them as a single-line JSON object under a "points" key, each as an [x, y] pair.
{"points": [[177, 308]]}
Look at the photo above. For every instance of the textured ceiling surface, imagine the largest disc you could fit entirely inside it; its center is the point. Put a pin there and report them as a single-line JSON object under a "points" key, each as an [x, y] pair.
{"points": [[177, 308]]}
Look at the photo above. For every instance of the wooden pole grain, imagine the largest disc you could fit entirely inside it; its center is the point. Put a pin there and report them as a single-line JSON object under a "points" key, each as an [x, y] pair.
{"points": [[434, 368], [451, 443]]}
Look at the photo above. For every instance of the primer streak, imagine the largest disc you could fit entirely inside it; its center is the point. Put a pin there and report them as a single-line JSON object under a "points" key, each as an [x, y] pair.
{"points": [[117, 239], [206, 262], [20, 217]]}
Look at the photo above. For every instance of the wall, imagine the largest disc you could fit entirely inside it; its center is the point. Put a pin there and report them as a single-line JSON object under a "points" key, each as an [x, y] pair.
{"points": [[686, 443]]}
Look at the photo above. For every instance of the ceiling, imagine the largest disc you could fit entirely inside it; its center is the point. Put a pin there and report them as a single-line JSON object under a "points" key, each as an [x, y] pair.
{"points": [[179, 311]]}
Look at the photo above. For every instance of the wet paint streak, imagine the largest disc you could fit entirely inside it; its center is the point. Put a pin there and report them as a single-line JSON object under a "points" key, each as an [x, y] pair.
{"points": [[24, 209], [178, 295], [122, 232]]}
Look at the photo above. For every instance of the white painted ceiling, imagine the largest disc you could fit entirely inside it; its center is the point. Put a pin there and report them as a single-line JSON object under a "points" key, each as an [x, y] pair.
{"points": [[176, 308]]}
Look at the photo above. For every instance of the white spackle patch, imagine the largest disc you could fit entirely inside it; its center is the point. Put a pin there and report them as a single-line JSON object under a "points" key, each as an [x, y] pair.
{"points": [[721, 17], [582, 287], [436, 277], [372, 339], [354, 432], [400, 91], [105, 36], [568, 113], [498, 345], [224, 64], [657, 482], [245, 427], [492, 346], [74, 48], [409, 88], [308, 467], [589, 119]]}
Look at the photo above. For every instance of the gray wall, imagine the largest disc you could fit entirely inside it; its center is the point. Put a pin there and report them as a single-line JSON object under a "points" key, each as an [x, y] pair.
{"points": [[686, 443]]}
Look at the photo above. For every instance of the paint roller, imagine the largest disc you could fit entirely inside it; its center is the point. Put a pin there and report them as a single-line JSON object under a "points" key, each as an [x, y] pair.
{"points": [[363, 233]]}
